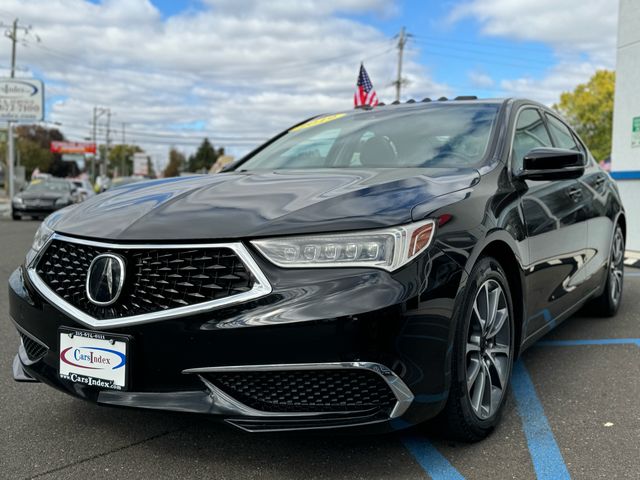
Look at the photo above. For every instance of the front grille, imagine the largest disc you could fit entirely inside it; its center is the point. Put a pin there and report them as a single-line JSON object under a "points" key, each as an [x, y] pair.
{"points": [[155, 279], [34, 349], [337, 390], [39, 203]]}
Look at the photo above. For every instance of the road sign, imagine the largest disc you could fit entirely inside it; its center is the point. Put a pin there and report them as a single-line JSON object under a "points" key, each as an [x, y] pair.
{"points": [[73, 147], [140, 164], [635, 132], [21, 99]]}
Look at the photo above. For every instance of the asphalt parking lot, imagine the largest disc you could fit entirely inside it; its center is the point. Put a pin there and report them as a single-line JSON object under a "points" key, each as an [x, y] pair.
{"points": [[573, 412]]}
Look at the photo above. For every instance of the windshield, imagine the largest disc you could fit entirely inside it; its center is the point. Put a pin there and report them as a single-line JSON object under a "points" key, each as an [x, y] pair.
{"points": [[48, 186], [439, 136]]}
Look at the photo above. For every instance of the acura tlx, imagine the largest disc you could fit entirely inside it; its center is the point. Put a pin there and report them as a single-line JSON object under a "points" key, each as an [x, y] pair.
{"points": [[365, 270]]}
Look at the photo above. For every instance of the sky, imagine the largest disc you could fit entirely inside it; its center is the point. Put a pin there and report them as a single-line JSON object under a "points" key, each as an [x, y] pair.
{"points": [[240, 71]]}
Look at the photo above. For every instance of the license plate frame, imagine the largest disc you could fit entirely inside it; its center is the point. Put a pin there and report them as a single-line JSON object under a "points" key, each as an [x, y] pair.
{"points": [[84, 357]]}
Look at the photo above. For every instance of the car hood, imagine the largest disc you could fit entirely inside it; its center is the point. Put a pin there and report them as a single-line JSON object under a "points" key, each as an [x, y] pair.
{"points": [[255, 204]]}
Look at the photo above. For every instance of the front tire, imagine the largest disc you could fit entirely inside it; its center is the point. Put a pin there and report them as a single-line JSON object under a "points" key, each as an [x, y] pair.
{"points": [[482, 355], [15, 216]]}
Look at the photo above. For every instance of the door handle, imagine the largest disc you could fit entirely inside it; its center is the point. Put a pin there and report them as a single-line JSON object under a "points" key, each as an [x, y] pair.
{"points": [[575, 193]]}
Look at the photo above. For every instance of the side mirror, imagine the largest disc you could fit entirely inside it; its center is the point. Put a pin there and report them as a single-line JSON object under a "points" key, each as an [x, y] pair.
{"points": [[551, 164]]}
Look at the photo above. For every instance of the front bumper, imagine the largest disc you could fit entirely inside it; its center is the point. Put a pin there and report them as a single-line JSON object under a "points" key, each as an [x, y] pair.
{"points": [[397, 325], [35, 211]]}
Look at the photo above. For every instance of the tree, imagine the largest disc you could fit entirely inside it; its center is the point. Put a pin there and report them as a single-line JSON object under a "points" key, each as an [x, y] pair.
{"points": [[589, 108], [121, 158], [33, 147], [205, 157], [175, 165]]}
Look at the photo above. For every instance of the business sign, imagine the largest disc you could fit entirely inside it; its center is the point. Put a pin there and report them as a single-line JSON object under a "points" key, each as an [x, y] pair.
{"points": [[140, 164], [21, 99], [635, 132], [73, 147]]}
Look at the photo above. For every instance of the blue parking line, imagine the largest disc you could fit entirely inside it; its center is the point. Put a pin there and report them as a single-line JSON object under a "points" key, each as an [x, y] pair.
{"points": [[545, 454], [586, 341], [430, 459]]}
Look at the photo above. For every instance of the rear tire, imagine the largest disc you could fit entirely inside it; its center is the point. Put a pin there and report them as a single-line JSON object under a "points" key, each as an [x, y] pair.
{"points": [[482, 355], [608, 303]]}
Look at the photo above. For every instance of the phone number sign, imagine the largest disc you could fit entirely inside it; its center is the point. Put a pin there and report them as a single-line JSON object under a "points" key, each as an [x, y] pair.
{"points": [[21, 99], [635, 132]]}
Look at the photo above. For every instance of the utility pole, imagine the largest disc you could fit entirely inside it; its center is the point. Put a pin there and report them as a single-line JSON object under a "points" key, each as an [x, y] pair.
{"points": [[402, 41], [103, 165], [10, 141], [95, 143], [12, 34], [123, 158], [97, 113]]}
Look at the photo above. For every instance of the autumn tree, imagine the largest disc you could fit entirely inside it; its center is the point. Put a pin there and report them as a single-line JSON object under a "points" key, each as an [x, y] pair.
{"points": [[589, 108], [175, 165], [33, 150]]}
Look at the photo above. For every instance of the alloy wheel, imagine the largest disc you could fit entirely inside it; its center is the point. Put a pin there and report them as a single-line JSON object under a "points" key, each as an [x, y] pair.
{"points": [[616, 266], [488, 350]]}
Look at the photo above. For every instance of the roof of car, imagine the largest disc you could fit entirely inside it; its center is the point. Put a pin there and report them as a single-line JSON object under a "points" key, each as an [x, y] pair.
{"points": [[423, 103]]}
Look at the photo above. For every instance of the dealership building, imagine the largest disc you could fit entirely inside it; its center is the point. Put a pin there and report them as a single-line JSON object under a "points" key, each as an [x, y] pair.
{"points": [[625, 155]]}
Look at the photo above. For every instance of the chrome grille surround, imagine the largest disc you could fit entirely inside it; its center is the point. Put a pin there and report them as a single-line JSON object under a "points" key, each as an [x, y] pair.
{"points": [[260, 287]]}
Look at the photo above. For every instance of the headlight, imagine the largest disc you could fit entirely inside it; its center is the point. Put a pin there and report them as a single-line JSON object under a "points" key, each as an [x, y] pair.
{"points": [[388, 248], [42, 235], [63, 201], [18, 200]]}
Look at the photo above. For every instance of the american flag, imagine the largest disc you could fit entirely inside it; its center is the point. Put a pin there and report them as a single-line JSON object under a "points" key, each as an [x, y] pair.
{"points": [[365, 94]]}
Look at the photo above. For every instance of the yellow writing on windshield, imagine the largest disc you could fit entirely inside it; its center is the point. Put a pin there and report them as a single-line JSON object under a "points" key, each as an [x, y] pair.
{"points": [[318, 121]]}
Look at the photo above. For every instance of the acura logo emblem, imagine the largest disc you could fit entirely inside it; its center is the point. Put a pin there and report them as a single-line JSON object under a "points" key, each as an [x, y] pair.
{"points": [[105, 279]]}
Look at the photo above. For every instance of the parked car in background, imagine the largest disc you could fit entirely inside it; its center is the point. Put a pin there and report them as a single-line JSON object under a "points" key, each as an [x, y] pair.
{"points": [[370, 269], [43, 196], [83, 188]]}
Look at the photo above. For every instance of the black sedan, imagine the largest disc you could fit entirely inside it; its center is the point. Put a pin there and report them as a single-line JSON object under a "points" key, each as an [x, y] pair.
{"points": [[366, 270], [41, 197]]}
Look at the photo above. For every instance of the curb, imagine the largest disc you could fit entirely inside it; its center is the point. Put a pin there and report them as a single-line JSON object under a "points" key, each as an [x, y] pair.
{"points": [[632, 259]]}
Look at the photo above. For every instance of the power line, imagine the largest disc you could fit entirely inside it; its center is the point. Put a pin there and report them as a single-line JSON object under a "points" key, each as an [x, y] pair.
{"points": [[468, 58], [498, 45], [433, 45], [168, 135]]}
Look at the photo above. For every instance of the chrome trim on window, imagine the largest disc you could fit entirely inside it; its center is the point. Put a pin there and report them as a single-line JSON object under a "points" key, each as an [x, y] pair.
{"points": [[261, 286], [403, 394]]}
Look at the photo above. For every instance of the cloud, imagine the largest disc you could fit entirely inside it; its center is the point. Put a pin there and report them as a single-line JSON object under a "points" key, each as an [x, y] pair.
{"points": [[582, 36], [245, 69], [480, 80], [569, 26]]}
